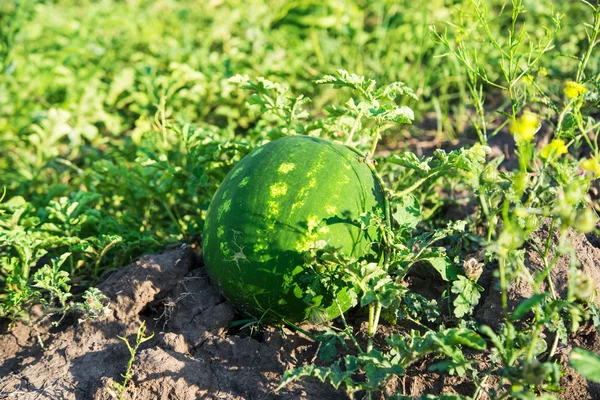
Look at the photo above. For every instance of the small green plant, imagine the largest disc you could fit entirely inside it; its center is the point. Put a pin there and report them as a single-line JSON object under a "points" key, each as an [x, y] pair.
{"points": [[374, 104], [375, 367], [140, 338]]}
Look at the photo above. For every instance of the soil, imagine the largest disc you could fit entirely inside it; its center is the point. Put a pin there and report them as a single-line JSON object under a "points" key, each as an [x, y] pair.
{"points": [[587, 256], [196, 353], [192, 355]]}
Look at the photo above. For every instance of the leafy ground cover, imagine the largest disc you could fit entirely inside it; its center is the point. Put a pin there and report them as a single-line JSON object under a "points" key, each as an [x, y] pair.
{"points": [[118, 121]]}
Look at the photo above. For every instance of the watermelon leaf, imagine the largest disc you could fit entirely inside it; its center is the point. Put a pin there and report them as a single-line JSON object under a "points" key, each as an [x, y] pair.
{"points": [[444, 266], [407, 212]]}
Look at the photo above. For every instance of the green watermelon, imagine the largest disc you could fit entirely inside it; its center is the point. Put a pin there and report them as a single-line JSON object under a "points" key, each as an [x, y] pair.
{"points": [[273, 205]]}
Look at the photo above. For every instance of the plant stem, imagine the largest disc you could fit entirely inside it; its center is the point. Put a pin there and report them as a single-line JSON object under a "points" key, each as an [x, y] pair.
{"points": [[348, 329], [374, 314], [371, 318], [354, 127], [163, 120], [480, 387], [296, 327], [415, 185], [534, 338], [139, 339], [172, 217], [593, 38], [375, 140], [377, 316], [418, 323], [562, 116], [103, 252], [554, 346], [503, 288]]}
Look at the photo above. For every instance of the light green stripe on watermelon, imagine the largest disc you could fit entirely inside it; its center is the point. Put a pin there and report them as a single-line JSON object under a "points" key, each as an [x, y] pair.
{"points": [[273, 205]]}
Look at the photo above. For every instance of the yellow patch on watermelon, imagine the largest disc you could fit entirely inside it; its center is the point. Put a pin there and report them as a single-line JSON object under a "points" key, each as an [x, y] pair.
{"points": [[318, 166], [225, 250], [278, 189], [286, 167], [226, 206], [273, 209], [260, 247], [243, 182], [297, 205], [236, 172], [312, 222]]}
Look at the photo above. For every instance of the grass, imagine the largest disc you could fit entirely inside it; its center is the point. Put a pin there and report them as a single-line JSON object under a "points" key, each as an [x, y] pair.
{"points": [[115, 132]]}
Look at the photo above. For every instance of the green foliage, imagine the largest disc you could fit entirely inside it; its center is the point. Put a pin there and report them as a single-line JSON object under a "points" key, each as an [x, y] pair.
{"points": [[417, 307], [377, 366], [375, 105], [274, 99], [116, 131], [467, 295], [54, 281], [586, 363]]}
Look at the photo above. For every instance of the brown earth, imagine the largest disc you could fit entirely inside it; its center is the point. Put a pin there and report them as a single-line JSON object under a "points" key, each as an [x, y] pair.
{"points": [[587, 256], [192, 354], [196, 354]]}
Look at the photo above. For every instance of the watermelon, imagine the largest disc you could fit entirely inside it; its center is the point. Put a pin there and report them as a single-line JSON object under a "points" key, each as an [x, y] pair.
{"points": [[275, 204]]}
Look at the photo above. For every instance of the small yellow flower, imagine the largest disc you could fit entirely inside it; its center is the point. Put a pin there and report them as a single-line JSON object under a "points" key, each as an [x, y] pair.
{"points": [[591, 165], [542, 72], [574, 89], [525, 127], [528, 79], [554, 148]]}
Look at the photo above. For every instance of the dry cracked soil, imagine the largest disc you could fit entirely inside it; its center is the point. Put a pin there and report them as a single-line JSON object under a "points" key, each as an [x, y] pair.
{"points": [[196, 354]]}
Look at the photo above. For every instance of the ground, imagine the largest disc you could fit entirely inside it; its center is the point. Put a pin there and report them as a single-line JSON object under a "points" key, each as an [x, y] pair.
{"points": [[195, 352]]}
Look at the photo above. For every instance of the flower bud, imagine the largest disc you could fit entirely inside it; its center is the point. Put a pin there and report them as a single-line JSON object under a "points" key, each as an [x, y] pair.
{"points": [[489, 174], [532, 222], [535, 372], [585, 221], [473, 269], [584, 286]]}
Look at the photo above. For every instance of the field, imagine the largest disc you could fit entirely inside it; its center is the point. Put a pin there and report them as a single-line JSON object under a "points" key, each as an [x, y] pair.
{"points": [[478, 119]]}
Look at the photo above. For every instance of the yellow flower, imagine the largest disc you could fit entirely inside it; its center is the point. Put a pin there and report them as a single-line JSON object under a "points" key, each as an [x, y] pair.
{"points": [[542, 72], [574, 89], [554, 148], [528, 79], [525, 127], [591, 165]]}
